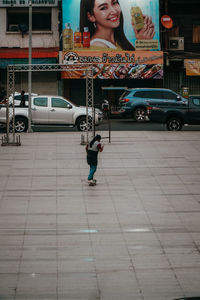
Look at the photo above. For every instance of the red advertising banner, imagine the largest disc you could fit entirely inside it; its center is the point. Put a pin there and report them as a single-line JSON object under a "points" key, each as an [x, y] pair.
{"points": [[115, 64]]}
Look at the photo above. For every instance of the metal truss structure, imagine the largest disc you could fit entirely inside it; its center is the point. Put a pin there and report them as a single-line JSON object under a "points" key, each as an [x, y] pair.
{"points": [[86, 71]]}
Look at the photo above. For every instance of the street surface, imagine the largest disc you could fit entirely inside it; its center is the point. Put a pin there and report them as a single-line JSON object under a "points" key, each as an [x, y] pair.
{"points": [[116, 125], [134, 236], [119, 125]]}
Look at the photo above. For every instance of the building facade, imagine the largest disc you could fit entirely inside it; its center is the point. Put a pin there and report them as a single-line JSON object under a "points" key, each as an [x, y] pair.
{"points": [[14, 42], [180, 45]]}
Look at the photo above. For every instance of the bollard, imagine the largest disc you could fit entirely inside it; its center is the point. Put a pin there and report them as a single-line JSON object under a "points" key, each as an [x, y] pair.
{"points": [[83, 139], [5, 141]]}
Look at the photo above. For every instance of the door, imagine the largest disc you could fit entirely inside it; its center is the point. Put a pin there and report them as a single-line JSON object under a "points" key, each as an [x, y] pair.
{"points": [[175, 102], [194, 110], [40, 110], [60, 111], [170, 98]]}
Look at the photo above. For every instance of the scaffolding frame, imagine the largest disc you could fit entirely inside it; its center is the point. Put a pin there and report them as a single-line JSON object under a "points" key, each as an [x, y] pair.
{"points": [[11, 139]]}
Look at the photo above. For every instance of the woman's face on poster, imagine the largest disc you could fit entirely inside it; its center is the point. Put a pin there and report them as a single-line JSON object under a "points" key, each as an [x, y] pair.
{"points": [[106, 13]]}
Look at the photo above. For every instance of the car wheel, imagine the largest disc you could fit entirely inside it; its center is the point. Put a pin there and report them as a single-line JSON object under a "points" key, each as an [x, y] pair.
{"points": [[174, 124], [139, 114], [21, 125], [82, 124]]}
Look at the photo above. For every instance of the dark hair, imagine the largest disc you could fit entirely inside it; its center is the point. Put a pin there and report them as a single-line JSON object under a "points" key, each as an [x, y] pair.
{"points": [[96, 138], [88, 6]]}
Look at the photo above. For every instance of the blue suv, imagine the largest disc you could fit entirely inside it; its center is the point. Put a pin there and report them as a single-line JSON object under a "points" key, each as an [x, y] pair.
{"points": [[133, 102]]}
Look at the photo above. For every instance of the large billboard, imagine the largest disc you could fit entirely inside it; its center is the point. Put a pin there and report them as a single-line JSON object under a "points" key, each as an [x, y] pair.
{"points": [[120, 38]]}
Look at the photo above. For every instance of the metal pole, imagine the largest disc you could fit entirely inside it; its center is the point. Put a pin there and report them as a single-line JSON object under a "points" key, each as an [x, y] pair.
{"points": [[29, 72], [13, 106], [7, 106], [87, 119]]}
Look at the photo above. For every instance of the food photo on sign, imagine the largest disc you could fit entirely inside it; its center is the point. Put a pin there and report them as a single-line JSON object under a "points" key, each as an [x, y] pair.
{"points": [[107, 26]]}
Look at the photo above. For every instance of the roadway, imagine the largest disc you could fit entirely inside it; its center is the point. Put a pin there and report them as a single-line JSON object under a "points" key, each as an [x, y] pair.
{"points": [[116, 125]]}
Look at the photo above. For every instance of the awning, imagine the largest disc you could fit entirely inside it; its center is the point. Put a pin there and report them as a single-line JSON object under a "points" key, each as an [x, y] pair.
{"points": [[21, 61], [23, 52], [12, 56]]}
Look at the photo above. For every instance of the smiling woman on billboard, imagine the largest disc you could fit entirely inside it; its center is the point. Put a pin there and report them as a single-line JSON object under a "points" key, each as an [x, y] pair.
{"points": [[105, 21], [114, 24]]}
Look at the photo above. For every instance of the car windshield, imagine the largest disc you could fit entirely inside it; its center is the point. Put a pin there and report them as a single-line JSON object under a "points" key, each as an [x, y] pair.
{"points": [[124, 94]]}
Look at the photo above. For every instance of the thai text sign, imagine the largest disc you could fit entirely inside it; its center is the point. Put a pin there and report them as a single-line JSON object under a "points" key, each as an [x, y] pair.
{"points": [[120, 38], [116, 65]]}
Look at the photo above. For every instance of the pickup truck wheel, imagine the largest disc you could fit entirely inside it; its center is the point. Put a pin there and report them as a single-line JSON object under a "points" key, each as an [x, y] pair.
{"points": [[21, 125], [174, 124], [82, 124], [139, 114]]}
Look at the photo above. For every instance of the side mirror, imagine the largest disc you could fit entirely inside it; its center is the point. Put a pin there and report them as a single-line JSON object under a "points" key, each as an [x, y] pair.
{"points": [[178, 98], [69, 106]]}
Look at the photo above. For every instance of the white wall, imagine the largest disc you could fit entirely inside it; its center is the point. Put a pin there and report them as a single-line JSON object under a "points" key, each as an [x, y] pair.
{"points": [[40, 39], [44, 83]]}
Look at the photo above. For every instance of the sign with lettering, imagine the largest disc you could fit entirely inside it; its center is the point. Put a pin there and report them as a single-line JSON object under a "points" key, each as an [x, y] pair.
{"points": [[115, 64], [25, 3], [192, 67], [119, 38]]}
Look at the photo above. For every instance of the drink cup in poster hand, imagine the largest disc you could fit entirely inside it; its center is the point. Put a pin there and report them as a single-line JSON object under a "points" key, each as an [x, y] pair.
{"points": [[147, 31], [137, 17]]}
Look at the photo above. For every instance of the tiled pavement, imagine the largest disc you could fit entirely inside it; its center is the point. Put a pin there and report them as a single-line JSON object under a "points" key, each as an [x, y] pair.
{"points": [[135, 236]]}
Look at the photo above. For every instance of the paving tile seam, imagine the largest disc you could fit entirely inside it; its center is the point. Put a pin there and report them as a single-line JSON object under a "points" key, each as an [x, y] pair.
{"points": [[151, 212], [182, 194], [53, 273], [94, 273], [31, 189], [78, 259], [130, 231]]}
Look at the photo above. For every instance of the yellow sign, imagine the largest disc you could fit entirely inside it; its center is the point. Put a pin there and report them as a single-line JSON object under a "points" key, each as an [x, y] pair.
{"points": [[192, 67], [146, 44]]}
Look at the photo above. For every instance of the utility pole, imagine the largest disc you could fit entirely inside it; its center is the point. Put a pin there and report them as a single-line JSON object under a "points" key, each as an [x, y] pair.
{"points": [[29, 71]]}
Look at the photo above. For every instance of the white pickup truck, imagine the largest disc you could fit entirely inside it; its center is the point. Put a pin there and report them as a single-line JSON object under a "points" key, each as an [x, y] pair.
{"points": [[50, 110]]}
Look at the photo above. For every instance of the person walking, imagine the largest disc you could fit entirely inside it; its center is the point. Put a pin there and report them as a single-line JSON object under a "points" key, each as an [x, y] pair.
{"points": [[92, 149], [23, 101], [2, 95]]}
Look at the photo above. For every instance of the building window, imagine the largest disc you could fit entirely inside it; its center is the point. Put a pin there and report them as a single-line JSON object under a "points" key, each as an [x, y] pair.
{"points": [[196, 34], [17, 17], [40, 101]]}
